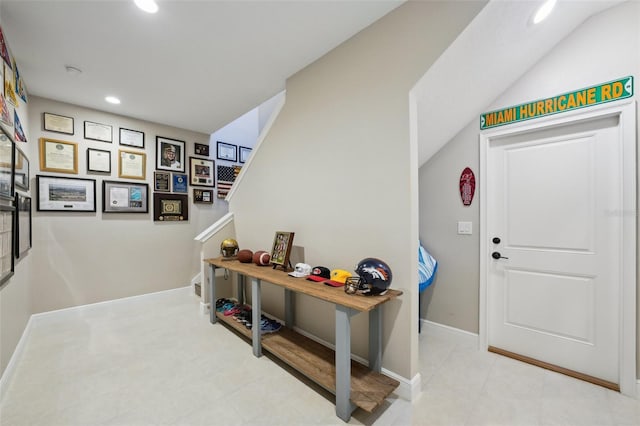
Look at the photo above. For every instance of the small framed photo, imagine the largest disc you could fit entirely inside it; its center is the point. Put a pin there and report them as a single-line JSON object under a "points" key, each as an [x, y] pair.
{"points": [[57, 123], [169, 154], [58, 156], [227, 151], [180, 183], [125, 197], [23, 225], [98, 160], [7, 242], [282, 250], [201, 172], [203, 196], [6, 166], [64, 194], [130, 137], [202, 149], [244, 154], [162, 181], [98, 132], [170, 207], [21, 176], [132, 164]]}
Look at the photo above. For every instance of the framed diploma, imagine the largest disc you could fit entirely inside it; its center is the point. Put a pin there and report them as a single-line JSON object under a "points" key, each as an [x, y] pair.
{"points": [[65, 194], [98, 160], [125, 197], [98, 132], [227, 152], [131, 138], [170, 207], [244, 154], [21, 175], [58, 156], [201, 172], [57, 123], [162, 181], [132, 165], [203, 196]]}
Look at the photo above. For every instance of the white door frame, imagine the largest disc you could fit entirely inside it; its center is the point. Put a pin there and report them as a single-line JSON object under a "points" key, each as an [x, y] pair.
{"points": [[626, 110]]}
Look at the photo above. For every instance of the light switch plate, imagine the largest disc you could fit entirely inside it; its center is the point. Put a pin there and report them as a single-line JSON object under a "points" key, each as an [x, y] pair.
{"points": [[465, 228]]}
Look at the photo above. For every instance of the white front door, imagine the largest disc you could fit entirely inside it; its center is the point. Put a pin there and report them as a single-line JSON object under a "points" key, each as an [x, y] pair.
{"points": [[554, 207]]}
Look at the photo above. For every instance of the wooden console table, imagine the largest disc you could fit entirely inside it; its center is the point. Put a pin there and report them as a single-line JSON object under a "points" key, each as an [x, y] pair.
{"points": [[353, 384]]}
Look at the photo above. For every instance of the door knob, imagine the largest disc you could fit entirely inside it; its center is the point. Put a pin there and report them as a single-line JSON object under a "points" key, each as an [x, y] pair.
{"points": [[497, 255], [496, 240]]}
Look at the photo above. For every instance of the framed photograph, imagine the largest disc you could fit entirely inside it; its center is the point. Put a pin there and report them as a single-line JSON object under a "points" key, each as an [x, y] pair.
{"points": [[162, 181], [179, 183], [170, 207], [64, 194], [98, 132], [130, 137], [7, 242], [57, 123], [227, 152], [132, 164], [201, 172], [169, 154], [203, 196], [7, 147], [201, 149], [244, 154], [58, 156], [23, 228], [282, 250], [125, 197], [21, 174], [98, 160]]}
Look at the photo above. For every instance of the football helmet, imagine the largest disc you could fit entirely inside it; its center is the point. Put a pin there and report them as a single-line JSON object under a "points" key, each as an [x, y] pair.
{"points": [[229, 248], [374, 278]]}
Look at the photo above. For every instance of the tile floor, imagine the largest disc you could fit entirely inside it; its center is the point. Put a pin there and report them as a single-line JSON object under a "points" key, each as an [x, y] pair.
{"points": [[154, 360]]}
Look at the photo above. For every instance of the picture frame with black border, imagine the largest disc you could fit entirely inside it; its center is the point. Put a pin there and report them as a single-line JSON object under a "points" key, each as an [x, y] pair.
{"points": [[201, 172], [170, 154], [162, 181], [244, 154], [98, 131], [125, 197], [98, 161], [132, 164], [170, 207], [8, 241], [24, 237], [57, 123], [21, 173], [179, 183], [7, 166], [202, 196], [201, 149], [226, 151], [281, 250], [134, 138], [65, 194]]}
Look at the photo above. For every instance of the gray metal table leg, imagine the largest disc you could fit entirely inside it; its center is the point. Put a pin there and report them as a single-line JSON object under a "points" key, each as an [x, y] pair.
{"points": [[255, 314], [212, 294], [241, 289], [288, 308], [375, 339], [344, 406]]}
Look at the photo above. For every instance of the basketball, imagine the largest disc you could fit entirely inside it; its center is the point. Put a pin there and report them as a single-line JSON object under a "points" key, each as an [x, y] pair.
{"points": [[261, 258], [245, 256]]}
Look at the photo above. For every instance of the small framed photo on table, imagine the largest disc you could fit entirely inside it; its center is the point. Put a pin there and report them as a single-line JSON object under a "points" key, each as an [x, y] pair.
{"points": [[201, 172], [227, 151], [282, 250], [125, 197]]}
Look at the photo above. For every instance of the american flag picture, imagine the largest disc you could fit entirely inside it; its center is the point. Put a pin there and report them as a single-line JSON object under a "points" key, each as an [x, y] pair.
{"points": [[226, 176]]}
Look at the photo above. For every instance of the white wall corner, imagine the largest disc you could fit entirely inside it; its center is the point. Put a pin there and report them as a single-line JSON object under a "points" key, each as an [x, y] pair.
{"points": [[5, 379], [451, 334], [409, 389]]}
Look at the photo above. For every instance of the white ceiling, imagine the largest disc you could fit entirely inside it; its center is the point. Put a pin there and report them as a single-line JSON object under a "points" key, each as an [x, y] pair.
{"points": [[196, 65]]}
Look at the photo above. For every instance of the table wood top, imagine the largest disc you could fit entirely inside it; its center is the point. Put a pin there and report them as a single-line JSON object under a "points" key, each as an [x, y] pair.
{"points": [[302, 285]]}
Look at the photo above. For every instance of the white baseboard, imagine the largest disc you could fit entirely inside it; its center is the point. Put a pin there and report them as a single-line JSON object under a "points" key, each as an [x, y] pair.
{"points": [[204, 308], [195, 280], [5, 379], [451, 334]]}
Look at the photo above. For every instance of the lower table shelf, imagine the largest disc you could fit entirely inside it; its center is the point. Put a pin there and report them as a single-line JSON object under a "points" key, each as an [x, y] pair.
{"points": [[317, 362]]}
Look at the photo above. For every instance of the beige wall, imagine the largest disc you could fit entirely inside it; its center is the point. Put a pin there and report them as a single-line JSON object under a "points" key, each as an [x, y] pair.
{"points": [[337, 168], [604, 48], [81, 258]]}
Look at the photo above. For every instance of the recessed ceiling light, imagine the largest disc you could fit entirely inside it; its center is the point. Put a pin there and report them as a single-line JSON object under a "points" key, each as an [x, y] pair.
{"points": [[112, 100], [544, 11], [149, 6]]}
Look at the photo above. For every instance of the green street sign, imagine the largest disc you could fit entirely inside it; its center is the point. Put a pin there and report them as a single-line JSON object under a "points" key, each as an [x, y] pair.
{"points": [[590, 96]]}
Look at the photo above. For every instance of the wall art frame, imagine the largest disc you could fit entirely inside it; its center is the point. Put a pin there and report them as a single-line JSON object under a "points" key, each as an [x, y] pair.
{"points": [[24, 237], [179, 183], [165, 160], [98, 131], [170, 207], [58, 156], [202, 196], [281, 250], [65, 194], [128, 137], [132, 164], [21, 172], [201, 149], [7, 166], [201, 172], [226, 151], [98, 161], [57, 123], [7, 242], [162, 181], [244, 154], [125, 197]]}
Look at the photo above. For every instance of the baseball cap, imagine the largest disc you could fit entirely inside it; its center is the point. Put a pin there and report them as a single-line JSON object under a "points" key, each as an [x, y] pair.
{"points": [[301, 270], [338, 278], [319, 274]]}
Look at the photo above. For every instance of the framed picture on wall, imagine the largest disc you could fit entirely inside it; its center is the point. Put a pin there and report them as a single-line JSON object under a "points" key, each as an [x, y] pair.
{"points": [[170, 207], [6, 166], [7, 237], [201, 172], [227, 151], [98, 131], [23, 228], [201, 149], [203, 196], [57, 123], [244, 154], [125, 197], [179, 183], [162, 181], [130, 137], [58, 156], [64, 194], [170, 154], [98, 160], [21, 175], [132, 164]]}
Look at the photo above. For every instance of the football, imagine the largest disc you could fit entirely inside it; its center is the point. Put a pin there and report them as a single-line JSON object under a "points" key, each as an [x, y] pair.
{"points": [[261, 258], [245, 256]]}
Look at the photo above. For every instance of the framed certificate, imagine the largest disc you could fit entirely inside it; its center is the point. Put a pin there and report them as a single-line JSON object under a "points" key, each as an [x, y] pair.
{"points": [[131, 138], [132, 165], [98, 132], [244, 154], [227, 151], [125, 197], [57, 123], [98, 160], [58, 156]]}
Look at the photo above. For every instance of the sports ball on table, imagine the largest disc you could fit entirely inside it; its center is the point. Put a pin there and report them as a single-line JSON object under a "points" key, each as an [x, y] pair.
{"points": [[261, 258], [245, 256]]}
